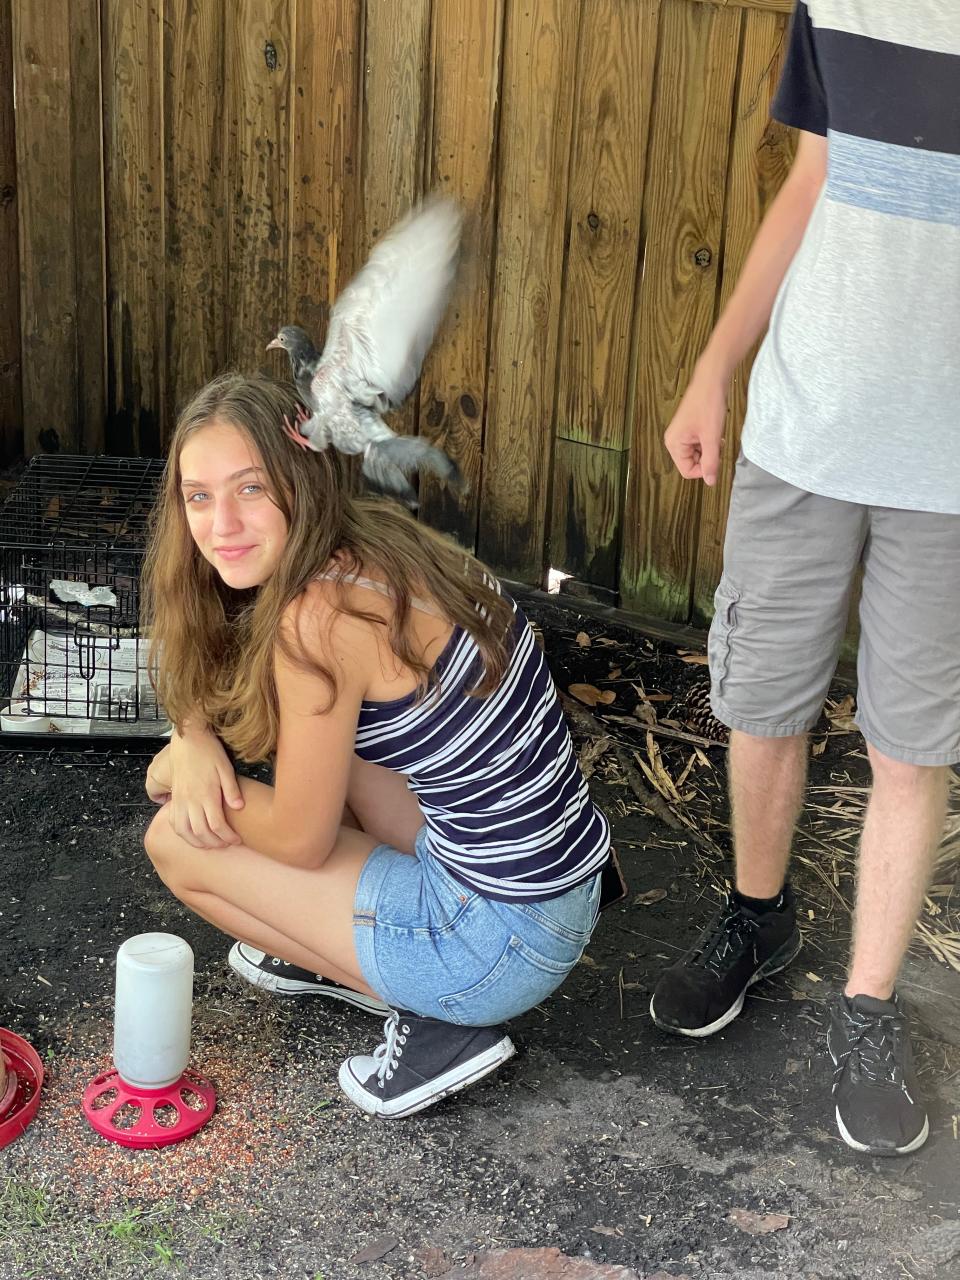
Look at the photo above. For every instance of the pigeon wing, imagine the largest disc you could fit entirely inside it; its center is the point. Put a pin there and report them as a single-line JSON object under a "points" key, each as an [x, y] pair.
{"points": [[383, 323]]}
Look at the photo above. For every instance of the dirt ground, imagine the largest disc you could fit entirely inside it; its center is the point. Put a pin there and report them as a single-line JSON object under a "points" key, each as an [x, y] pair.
{"points": [[604, 1138]]}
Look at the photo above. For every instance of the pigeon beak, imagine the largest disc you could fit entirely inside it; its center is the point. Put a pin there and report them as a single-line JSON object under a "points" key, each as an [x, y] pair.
{"points": [[276, 344]]}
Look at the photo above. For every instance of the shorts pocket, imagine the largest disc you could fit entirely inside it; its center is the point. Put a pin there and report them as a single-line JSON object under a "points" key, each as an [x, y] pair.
{"points": [[520, 979], [725, 601], [572, 917]]}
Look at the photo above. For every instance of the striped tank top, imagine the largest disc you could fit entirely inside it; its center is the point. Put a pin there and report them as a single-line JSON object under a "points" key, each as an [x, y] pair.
{"points": [[506, 806]]}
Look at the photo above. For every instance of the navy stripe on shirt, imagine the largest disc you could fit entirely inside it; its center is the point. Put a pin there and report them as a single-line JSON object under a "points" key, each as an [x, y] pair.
{"points": [[507, 808]]}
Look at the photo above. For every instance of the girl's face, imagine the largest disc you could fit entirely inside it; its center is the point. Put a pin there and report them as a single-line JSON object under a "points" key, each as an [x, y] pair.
{"points": [[232, 518]]}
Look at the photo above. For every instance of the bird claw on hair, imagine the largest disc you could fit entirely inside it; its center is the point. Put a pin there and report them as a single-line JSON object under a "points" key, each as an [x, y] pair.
{"points": [[291, 431]]}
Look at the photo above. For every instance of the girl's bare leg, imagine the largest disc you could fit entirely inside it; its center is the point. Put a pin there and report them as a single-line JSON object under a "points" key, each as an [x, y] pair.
{"points": [[303, 916]]}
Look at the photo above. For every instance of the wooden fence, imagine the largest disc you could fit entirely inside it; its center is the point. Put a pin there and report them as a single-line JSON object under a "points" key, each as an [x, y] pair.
{"points": [[178, 177]]}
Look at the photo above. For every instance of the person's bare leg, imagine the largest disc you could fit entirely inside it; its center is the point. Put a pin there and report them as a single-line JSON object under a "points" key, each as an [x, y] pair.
{"points": [[767, 777], [302, 916], [903, 826]]}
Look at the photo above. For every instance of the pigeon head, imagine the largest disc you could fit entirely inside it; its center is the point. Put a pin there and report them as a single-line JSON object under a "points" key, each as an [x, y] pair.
{"points": [[298, 345]]}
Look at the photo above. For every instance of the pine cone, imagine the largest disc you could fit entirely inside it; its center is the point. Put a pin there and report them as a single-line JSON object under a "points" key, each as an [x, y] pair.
{"points": [[697, 714]]}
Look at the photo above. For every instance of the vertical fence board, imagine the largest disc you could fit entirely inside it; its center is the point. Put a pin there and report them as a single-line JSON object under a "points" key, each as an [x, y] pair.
{"points": [[86, 143], [538, 88], [325, 161], [683, 209], [465, 61], [60, 188], [11, 402], [258, 89], [617, 52], [394, 128], [760, 159], [133, 165], [196, 199]]}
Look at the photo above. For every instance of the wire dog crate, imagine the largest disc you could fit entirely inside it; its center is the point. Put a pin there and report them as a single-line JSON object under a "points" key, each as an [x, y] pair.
{"points": [[73, 659]]}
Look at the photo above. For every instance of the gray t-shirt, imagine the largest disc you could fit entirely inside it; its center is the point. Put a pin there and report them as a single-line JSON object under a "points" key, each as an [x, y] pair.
{"points": [[855, 393]]}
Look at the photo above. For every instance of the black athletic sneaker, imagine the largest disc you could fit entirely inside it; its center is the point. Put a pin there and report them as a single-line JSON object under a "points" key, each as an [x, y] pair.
{"points": [[874, 1084], [420, 1062], [705, 989], [283, 979]]}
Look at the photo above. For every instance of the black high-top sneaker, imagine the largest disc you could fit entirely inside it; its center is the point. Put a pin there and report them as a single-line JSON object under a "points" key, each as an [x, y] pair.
{"points": [[879, 1110], [421, 1061], [270, 973], [705, 989]]}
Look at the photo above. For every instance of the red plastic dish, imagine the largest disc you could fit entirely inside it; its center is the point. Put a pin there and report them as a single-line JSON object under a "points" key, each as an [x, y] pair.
{"points": [[148, 1117], [20, 1102]]}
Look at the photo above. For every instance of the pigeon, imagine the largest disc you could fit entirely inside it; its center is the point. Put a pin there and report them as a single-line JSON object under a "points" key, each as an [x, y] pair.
{"points": [[380, 329]]}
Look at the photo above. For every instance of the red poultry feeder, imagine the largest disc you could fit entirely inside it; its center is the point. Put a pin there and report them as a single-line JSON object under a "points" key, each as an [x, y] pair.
{"points": [[21, 1097]]}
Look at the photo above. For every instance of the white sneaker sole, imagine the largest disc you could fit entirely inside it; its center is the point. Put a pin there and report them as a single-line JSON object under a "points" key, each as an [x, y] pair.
{"points": [[915, 1145], [294, 987], [431, 1092], [700, 1033], [851, 1141]]}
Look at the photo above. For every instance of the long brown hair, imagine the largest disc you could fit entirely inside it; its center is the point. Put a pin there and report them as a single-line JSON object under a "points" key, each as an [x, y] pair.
{"points": [[212, 647]]}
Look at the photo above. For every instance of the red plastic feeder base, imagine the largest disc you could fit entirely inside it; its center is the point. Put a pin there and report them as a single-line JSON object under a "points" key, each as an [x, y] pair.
{"points": [[148, 1117], [21, 1095]]}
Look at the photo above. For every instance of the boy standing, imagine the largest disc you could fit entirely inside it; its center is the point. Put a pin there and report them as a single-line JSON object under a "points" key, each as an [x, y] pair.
{"points": [[851, 456]]}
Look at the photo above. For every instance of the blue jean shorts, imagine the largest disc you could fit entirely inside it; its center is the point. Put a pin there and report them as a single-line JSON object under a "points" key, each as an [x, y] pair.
{"points": [[432, 945]]}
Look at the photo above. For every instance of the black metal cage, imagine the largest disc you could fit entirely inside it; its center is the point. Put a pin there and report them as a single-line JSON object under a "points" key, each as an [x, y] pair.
{"points": [[73, 658]]}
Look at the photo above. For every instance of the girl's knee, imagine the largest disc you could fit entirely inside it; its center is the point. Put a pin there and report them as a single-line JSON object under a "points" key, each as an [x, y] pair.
{"points": [[159, 841]]}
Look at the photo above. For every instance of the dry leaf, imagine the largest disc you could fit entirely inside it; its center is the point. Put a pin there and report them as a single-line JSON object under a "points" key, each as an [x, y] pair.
{"points": [[758, 1224], [818, 748], [601, 1230], [583, 640], [840, 714], [695, 659], [607, 643], [378, 1248], [586, 693], [592, 752], [814, 978], [659, 697], [614, 672], [648, 898], [645, 713]]}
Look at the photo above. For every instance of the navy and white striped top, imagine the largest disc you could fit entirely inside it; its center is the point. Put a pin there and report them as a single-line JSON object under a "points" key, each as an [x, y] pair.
{"points": [[506, 806]]}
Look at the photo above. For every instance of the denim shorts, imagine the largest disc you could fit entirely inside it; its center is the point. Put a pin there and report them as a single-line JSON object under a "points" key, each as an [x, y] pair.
{"points": [[432, 945]]}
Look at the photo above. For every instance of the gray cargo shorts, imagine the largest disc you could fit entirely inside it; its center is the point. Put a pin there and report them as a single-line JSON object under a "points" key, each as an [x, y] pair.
{"points": [[790, 561]]}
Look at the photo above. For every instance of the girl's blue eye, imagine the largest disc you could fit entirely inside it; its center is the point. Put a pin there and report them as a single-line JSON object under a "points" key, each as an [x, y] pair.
{"points": [[258, 488], [190, 497]]}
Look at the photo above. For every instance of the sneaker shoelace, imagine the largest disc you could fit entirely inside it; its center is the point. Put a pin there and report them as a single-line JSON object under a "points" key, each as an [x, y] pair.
{"points": [[388, 1054], [875, 1040], [722, 946]]}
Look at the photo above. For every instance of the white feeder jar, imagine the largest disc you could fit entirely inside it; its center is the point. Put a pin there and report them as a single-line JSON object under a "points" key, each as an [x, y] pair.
{"points": [[152, 1014]]}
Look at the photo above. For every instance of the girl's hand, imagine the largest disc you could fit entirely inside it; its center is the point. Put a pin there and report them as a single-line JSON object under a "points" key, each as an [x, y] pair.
{"points": [[158, 777], [203, 786]]}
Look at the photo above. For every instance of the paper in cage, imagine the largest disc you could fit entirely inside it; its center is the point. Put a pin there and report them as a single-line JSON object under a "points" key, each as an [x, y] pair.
{"points": [[84, 684]]}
